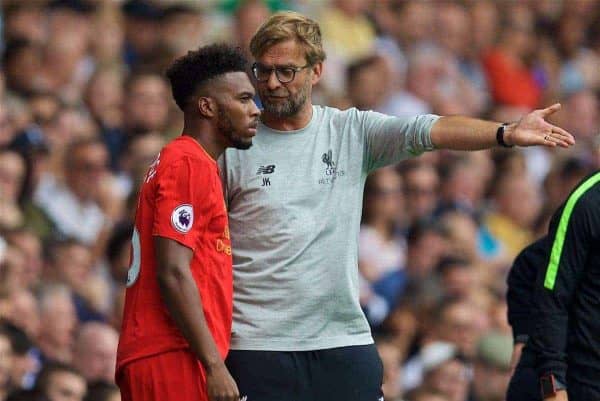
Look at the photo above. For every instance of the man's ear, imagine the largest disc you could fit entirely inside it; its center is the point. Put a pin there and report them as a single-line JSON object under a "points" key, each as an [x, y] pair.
{"points": [[207, 107], [317, 71]]}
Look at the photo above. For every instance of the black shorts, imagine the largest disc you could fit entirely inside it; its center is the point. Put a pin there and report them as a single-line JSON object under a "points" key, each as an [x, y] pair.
{"points": [[339, 374]]}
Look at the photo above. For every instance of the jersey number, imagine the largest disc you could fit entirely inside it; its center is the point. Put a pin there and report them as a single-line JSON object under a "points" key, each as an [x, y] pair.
{"points": [[134, 268]]}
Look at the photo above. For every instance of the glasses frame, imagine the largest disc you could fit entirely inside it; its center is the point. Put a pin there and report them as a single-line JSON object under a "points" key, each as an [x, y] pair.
{"points": [[277, 70]]}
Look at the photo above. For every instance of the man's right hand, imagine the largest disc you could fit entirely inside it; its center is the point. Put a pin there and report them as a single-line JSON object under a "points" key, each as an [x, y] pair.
{"points": [[220, 385], [561, 395]]}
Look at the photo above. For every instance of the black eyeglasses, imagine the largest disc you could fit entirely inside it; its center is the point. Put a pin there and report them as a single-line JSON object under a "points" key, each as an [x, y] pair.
{"points": [[284, 74]]}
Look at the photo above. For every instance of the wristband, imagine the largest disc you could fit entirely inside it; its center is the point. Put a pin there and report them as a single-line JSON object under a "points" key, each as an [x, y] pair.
{"points": [[500, 136]]}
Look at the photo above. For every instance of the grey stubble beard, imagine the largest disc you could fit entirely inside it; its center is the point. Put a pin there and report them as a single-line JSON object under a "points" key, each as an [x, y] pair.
{"points": [[291, 107]]}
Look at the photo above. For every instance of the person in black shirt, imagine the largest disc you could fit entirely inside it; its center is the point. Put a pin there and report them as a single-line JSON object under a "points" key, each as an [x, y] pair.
{"points": [[565, 338], [519, 298]]}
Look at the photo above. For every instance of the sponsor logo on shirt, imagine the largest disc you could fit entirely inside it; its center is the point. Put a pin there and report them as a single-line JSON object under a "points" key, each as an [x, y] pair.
{"points": [[223, 244], [182, 218], [331, 170]]}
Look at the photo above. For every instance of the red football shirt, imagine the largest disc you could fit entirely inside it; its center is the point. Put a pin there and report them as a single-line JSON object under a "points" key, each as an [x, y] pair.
{"points": [[181, 199]]}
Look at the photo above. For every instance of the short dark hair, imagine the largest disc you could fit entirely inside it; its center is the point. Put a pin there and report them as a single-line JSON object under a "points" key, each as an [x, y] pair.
{"points": [[100, 391], [50, 368], [53, 247], [21, 344], [119, 238], [188, 73], [359, 65], [75, 145]]}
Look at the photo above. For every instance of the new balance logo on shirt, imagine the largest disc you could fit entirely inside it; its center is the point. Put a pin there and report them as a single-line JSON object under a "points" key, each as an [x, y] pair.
{"points": [[269, 169]]}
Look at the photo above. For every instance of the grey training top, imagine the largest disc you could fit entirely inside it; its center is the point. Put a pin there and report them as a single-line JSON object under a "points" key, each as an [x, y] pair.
{"points": [[295, 202]]}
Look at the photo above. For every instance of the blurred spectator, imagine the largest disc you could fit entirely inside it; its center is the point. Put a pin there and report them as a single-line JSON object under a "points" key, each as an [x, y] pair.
{"points": [[74, 208], [463, 182], [71, 263], [24, 312], [104, 98], [390, 358], [460, 322], [580, 68], [586, 126], [406, 23], [421, 185], [458, 277], [58, 324], [347, 36], [508, 65], [12, 268], [61, 382], [101, 391], [491, 371], [422, 75], [427, 395], [426, 246], [457, 323], [516, 207], [146, 104], [485, 25], [139, 153], [6, 131], [454, 29], [142, 31], [24, 364], [249, 15], [66, 65], [365, 86], [6, 363], [95, 352], [117, 253], [22, 61], [461, 229], [30, 245], [182, 27], [559, 182], [12, 178], [24, 19], [445, 371], [382, 254], [346, 28], [108, 37]]}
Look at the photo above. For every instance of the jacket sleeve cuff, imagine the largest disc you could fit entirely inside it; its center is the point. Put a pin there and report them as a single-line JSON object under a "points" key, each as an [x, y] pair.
{"points": [[520, 338], [558, 370]]}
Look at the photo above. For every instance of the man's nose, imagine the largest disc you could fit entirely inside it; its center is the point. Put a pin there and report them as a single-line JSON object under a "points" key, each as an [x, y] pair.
{"points": [[273, 83]]}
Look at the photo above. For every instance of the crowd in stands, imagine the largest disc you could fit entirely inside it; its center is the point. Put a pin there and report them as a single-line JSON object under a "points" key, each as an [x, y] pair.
{"points": [[85, 108]]}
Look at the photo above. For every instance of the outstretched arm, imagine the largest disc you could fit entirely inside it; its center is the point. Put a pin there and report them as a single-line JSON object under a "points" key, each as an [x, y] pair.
{"points": [[465, 133]]}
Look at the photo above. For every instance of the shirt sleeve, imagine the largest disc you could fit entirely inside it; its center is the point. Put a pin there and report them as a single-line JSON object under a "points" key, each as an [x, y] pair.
{"points": [[181, 197], [390, 139], [521, 281], [571, 236]]}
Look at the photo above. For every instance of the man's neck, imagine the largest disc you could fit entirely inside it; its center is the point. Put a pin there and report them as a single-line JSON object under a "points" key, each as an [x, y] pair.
{"points": [[292, 123], [206, 137]]}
